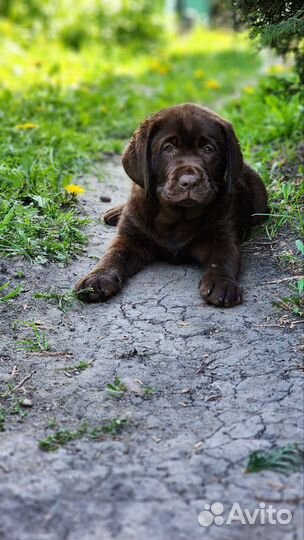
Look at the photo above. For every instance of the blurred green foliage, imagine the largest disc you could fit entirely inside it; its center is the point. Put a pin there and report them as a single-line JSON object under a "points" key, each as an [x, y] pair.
{"points": [[278, 24], [125, 22]]}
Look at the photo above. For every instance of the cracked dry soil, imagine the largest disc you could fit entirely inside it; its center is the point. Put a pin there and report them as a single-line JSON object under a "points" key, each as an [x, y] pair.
{"points": [[227, 382]]}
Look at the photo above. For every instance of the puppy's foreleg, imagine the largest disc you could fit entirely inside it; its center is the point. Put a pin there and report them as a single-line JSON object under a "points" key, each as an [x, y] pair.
{"points": [[123, 259], [111, 217], [219, 285]]}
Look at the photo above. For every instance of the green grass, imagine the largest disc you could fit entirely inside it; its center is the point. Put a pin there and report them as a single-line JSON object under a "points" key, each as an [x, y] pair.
{"points": [[113, 428], [77, 368], [286, 460], [64, 300], [294, 303], [6, 296], [60, 438], [116, 389], [11, 406], [36, 341], [268, 122], [63, 436], [149, 391], [39, 233], [9, 411]]}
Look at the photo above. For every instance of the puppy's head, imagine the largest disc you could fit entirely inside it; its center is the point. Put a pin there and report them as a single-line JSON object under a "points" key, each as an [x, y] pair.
{"points": [[185, 156]]}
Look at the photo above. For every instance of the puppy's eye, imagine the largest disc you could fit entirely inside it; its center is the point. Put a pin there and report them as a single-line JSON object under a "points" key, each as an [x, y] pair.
{"points": [[208, 149], [168, 147]]}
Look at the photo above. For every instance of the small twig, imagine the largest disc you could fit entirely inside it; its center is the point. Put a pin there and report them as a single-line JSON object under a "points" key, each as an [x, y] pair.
{"points": [[283, 324], [293, 323], [205, 363], [265, 243], [282, 304], [291, 278], [183, 404], [268, 326], [213, 396], [203, 366], [295, 500], [14, 371], [50, 353], [26, 378]]}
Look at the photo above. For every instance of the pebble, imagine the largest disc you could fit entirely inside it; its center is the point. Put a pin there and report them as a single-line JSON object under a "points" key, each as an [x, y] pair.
{"points": [[26, 402], [133, 386]]}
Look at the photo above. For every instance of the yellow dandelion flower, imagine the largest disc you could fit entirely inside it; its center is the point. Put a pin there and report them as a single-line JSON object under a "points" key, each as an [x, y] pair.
{"points": [[155, 64], [27, 125], [163, 70], [276, 69], [160, 67], [248, 90], [199, 74], [212, 84], [74, 189]]}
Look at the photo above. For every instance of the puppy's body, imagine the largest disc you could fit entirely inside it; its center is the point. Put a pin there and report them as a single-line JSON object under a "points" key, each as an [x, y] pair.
{"points": [[193, 198]]}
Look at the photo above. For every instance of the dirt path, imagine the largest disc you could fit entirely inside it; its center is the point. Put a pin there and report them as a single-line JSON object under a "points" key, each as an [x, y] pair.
{"points": [[226, 382]]}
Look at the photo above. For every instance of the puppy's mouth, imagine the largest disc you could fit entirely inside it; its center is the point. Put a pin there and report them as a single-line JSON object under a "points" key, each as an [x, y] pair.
{"points": [[187, 202], [187, 199], [187, 190]]}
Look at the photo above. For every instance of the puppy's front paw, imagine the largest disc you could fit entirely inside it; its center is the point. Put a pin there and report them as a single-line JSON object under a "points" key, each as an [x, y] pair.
{"points": [[220, 291], [98, 286], [111, 217]]}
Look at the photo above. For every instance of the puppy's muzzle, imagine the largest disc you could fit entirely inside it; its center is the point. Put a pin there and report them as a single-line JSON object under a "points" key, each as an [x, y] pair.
{"points": [[189, 181]]}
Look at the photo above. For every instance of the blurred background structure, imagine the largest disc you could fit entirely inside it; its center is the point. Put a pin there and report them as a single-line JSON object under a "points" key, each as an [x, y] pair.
{"points": [[191, 10]]}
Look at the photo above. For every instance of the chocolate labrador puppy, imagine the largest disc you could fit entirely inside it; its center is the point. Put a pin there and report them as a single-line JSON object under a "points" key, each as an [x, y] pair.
{"points": [[193, 198]]}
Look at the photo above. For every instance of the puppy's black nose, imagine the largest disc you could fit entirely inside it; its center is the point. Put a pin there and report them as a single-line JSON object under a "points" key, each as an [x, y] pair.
{"points": [[188, 181]]}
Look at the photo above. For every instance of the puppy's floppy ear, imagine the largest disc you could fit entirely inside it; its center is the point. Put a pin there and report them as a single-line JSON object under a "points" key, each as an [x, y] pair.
{"points": [[234, 158], [136, 159]]}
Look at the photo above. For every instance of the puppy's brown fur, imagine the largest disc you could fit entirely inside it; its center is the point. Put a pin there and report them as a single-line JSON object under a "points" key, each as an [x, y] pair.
{"points": [[193, 198]]}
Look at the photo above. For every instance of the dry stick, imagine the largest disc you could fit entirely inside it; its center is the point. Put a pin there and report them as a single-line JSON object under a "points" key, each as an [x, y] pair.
{"points": [[294, 500], [14, 371], [205, 364], [51, 353], [19, 385], [26, 378], [291, 278], [268, 326], [283, 325], [265, 243], [293, 323]]}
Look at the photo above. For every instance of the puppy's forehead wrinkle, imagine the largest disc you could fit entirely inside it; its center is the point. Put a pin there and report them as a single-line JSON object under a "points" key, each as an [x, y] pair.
{"points": [[187, 134]]}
